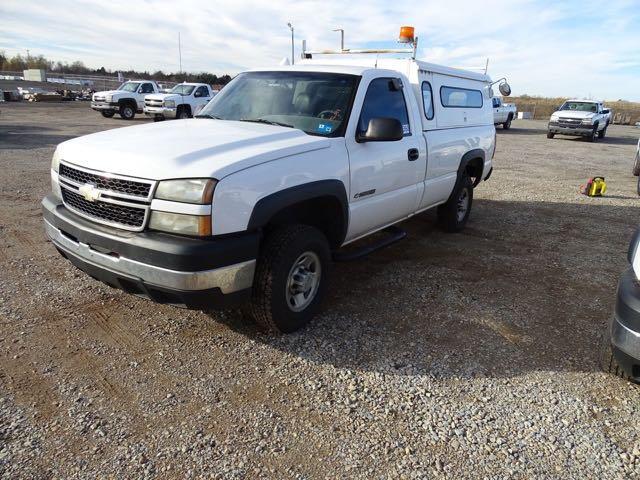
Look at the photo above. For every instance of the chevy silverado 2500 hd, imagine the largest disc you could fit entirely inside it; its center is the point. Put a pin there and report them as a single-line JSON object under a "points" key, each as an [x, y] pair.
{"points": [[585, 118], [183, 101], [127, 100], [249, 201]]}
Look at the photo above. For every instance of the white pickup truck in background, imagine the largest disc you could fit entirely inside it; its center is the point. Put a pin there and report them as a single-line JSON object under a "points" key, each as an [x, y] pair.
{"points": [[127, 100], [503, 113], [586, 118], [183, 101], [251, 200]]}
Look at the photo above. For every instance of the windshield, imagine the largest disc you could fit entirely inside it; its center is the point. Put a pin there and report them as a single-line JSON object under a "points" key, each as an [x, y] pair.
{"points": [[129, 86], [183, 89], [316, 103], [580, 106]]}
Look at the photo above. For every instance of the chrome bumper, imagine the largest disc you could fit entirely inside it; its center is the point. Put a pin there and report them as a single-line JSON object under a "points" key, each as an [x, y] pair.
{"points": [[103, 106], [164, 111], [625, 339], [229, 279]]}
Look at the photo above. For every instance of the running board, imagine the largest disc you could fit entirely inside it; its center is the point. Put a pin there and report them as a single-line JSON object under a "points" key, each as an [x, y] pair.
{"points": [[394, 234]]}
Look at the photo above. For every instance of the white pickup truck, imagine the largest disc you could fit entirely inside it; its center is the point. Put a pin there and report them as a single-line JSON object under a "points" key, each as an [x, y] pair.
{"points": [[127, 100], [503, 113], [250, 201], [183, 101], [586, 118]]}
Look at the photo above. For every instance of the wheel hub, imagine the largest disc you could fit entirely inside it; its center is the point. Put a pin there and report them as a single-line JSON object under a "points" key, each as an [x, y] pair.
{"points": [[303, 281]]}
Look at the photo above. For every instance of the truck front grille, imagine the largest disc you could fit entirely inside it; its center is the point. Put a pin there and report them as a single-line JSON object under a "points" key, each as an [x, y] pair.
{"points": [[152, 102], [115, 200], [569, 121], [106, 182], [112, 214]]}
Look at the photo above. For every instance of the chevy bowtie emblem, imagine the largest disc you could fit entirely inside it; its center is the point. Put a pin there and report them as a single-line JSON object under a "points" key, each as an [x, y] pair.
{"points": [[89, 192]]}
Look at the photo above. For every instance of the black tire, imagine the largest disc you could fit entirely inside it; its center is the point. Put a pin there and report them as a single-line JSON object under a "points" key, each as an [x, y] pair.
{"points": [[127, 111], [183, 112], [593, 138], [636, 165], [603, 132], [270, 306], [638, 187], [450, 215], [507, 125], [158, 118], [608, 361], [550, 135], [107, 113]]}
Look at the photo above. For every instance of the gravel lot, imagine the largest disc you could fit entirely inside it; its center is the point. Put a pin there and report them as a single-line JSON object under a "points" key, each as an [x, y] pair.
{"points": [[471, 355]]}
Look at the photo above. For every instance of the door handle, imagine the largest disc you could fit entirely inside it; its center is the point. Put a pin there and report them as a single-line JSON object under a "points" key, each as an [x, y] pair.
{"points": [[413, 154]]}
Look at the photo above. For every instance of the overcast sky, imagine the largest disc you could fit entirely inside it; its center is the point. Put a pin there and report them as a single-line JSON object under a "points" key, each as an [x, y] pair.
{"points": [[564, 48]]}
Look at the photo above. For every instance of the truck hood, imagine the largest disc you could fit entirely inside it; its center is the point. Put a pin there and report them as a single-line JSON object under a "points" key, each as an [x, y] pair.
{"points": [[193, 148], [574, 114]]}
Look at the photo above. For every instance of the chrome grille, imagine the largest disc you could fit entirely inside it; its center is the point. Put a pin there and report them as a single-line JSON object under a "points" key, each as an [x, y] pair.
{"points": [[106, 182], [569, 121], [114, 200], [152, 102], [110, 213]]}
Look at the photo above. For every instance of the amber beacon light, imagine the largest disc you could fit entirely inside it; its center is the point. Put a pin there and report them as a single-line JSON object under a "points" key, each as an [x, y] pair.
{"points": [[406, 35]]}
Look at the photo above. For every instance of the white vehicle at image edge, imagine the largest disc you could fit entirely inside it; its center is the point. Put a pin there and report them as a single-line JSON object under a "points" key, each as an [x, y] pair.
{"points": [[503, 113], [183, 101], [126, 100], [249, 202], [587, 118]]}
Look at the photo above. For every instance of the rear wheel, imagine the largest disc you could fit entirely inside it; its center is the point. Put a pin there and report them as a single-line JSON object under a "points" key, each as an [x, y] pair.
{"points": [[127, 112], [291, 278], [454, 214], [507, 125], [108, 113], [550, 135]]}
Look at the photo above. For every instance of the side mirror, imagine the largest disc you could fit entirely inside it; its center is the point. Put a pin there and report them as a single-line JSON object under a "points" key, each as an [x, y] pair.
{"points": [[605, 110], [197, 94], [505, 89], [381, 129]]}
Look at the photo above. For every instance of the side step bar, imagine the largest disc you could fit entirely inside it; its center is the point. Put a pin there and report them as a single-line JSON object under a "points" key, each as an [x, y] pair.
{"points": [[394, 234]]}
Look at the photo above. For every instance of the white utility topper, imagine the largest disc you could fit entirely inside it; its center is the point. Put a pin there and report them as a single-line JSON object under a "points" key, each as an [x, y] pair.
{"points": [[127, 100], [183, 101], [251, 200]]}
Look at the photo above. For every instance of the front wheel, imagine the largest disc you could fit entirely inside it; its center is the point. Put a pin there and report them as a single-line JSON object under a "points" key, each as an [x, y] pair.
{"points": [[550, 135], [603, 132], [507, 125], [183, 113], [638, 187], [127, 112], [291, 278], [108, 113], [454, 214], [594, 135]]}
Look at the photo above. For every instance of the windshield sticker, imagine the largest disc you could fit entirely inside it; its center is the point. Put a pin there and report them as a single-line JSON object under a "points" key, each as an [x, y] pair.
{"points": [[324, 128], [405, 129]]}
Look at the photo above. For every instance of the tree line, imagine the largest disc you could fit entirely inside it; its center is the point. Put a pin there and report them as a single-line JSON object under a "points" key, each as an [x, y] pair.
{"points": [[18, 63]]}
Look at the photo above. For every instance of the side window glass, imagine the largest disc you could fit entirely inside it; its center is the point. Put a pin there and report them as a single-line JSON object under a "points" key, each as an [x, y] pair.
{"points": [[146, 88], [427, 100], [202, 92], [460, 97], [384, 99]]}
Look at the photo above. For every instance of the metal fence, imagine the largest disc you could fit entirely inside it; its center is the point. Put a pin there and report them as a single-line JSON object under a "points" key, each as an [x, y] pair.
{"points": [[77, 82]]}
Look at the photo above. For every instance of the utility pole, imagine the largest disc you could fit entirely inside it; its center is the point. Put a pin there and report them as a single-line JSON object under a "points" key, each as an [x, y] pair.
{"points": [[180, 53], [293, 60], [341, 30]]}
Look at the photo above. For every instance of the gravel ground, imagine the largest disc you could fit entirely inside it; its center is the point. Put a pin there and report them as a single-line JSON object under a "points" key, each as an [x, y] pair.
{"points": [[471, 355]]}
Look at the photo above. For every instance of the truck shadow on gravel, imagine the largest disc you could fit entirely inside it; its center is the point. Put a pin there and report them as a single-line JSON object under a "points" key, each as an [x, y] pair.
{"points": [[527, 287], [25, 137]]}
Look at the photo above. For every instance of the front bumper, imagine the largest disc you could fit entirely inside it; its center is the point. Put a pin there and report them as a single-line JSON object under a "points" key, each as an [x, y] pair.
{"points": [[563, 129], [98, 106], [196, 273], [165, 112], [625, 326]]}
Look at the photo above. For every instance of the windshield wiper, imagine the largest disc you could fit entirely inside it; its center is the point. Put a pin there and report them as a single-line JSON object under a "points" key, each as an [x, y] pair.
{"points": [[215, 117], [268, 122]]}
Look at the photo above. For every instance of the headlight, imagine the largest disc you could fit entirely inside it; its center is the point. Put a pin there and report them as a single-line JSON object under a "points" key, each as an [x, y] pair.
{"points": [[195, 190], [587, 121], [108, 98], [55, 161], [555, 118], [169, 103], [197, 225]]}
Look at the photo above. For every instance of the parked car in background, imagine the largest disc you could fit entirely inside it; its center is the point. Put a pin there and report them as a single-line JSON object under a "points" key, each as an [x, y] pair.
{"points": [[621, 346], [183, 101], [249, 202], [636, 166], [503, 113], [127, 100], [587, 118]]}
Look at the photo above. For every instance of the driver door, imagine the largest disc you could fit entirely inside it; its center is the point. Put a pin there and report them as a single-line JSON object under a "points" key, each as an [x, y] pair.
{"points": [[384, 175]]}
